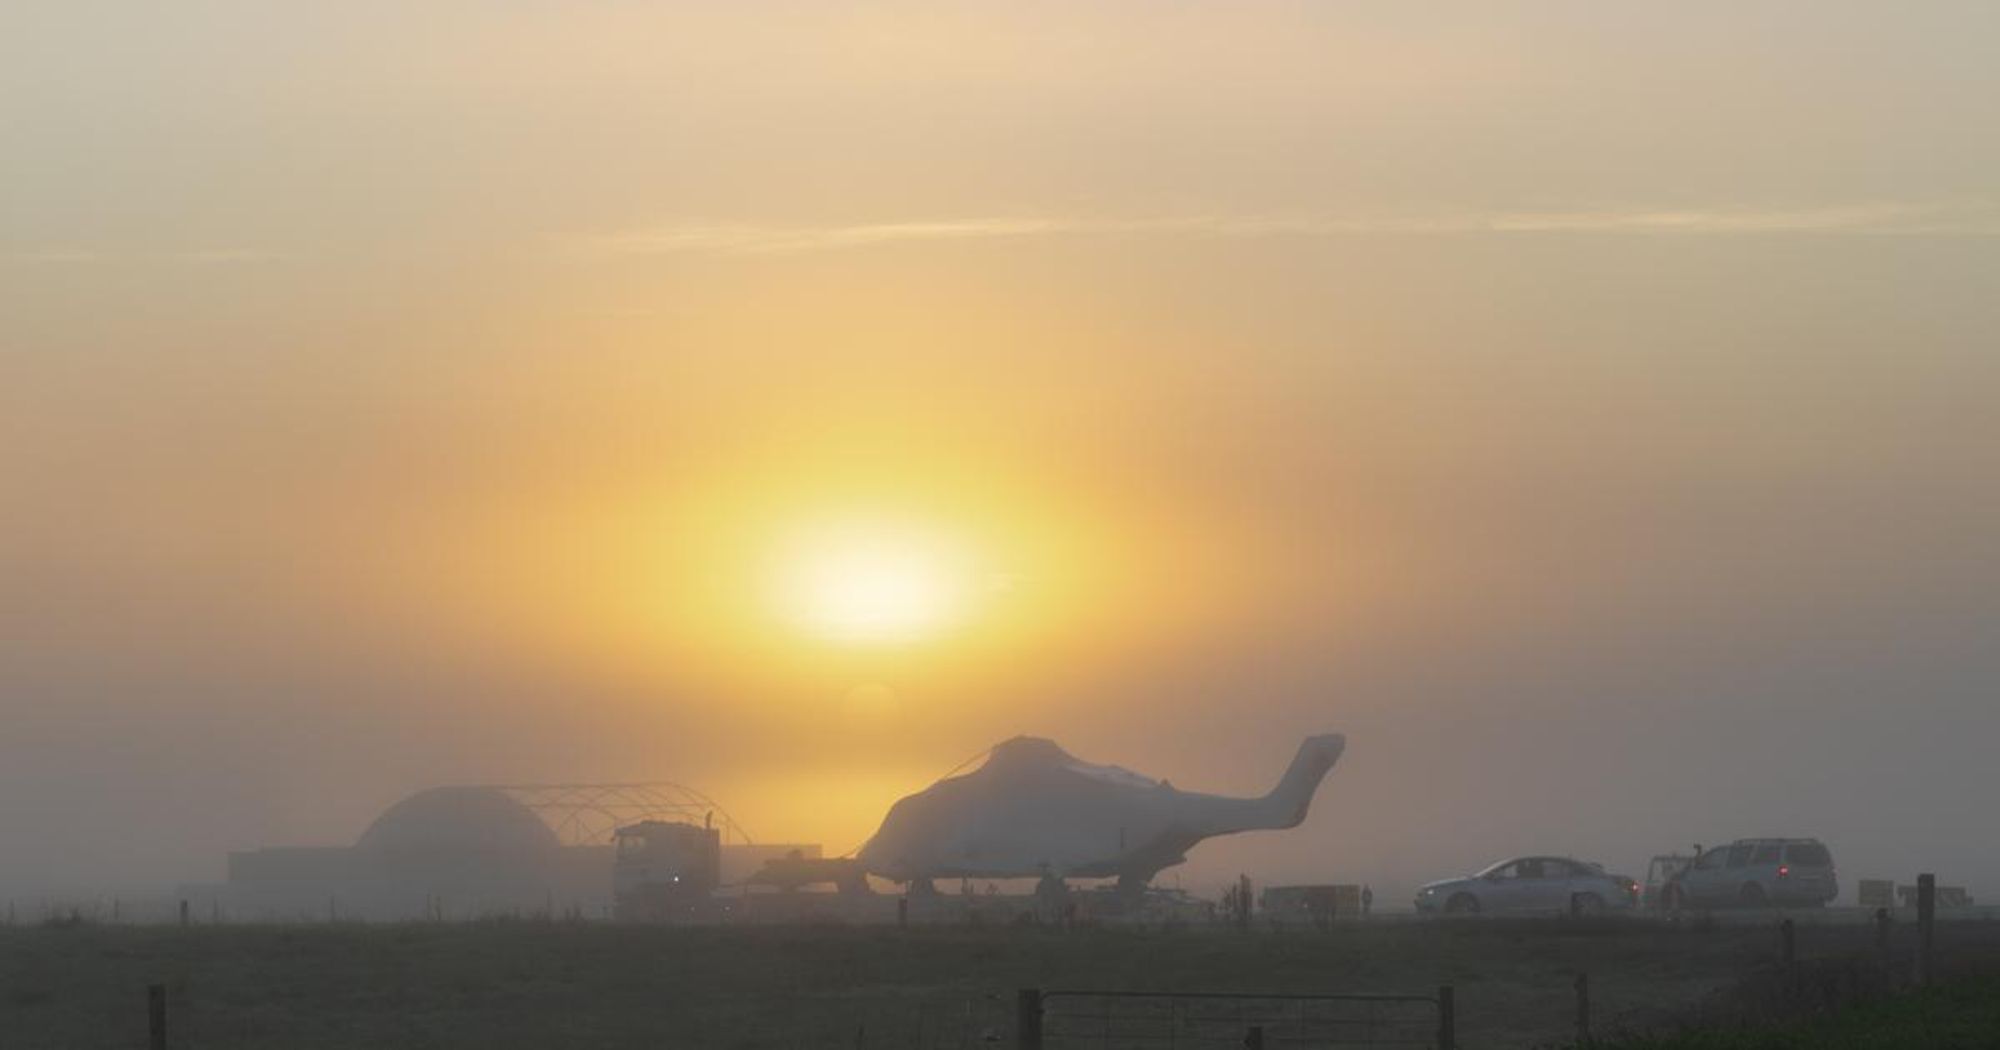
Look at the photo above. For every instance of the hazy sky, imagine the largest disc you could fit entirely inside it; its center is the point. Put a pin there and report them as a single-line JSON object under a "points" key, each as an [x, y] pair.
{"points": [[1588, 407]]}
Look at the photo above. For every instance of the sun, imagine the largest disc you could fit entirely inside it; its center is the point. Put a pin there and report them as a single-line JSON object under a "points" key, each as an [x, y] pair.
{"points": [[873, 582]]}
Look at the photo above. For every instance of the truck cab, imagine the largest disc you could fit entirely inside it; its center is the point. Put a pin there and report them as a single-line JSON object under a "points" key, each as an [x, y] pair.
{"points": [[665, 869]]}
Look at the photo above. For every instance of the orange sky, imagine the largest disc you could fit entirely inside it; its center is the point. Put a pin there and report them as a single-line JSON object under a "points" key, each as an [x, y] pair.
{"points": [[1551, 395]]}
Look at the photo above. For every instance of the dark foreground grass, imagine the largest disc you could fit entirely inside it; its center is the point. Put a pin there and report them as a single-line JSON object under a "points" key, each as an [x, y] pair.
{"points": [[1962, 1014], [558, 985]]}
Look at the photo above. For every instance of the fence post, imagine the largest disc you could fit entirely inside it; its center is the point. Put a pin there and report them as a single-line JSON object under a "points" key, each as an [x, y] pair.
{"points": [[1254, 1038], [1788, 942], [1447, 1020], [1882, 941], [902, 911], [184, 913], [1926, 925], [1583, 1008], [1028, 1019], [156, 1016]]}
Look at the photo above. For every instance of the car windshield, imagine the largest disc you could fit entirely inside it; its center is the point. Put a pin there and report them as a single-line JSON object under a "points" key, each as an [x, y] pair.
{"points": [[1808, 854], [1497, 868]]}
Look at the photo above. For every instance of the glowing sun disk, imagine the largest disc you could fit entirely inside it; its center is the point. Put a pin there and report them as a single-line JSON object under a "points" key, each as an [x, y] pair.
{"points": [[873, 584]]}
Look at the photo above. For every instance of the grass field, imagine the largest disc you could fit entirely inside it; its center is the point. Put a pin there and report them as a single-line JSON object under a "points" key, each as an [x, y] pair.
{"points": [[552, 985], [1959, 1014]]}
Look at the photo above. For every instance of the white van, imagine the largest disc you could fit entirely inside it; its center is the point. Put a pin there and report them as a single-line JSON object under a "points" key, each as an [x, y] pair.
{"points": [[1756, 873]]}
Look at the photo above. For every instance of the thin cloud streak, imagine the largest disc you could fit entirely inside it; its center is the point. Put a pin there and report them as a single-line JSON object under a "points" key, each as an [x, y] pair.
{"points": [[93, 257], [55, 257], [748, 239], [1885, 219]]}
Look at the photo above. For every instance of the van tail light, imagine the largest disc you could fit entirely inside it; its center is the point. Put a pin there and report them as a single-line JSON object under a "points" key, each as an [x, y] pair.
{"points": [[1784, 870]]}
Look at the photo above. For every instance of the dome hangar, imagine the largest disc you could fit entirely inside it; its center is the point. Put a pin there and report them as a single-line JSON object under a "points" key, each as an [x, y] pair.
{"points": [[473, 851]]}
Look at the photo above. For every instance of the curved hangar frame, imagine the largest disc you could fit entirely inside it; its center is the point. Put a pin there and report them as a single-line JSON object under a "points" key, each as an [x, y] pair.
{"points": [[590, 814]]}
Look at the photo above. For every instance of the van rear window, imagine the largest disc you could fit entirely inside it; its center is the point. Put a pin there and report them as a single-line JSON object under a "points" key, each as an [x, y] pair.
{"points": [[1765, 855], [1809, 854]]}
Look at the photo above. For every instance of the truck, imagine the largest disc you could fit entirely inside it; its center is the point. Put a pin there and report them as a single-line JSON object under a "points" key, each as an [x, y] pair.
{"points": [[665, 870]]}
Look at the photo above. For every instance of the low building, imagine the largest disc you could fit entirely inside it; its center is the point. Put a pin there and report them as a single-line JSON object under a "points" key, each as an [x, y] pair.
{"points": [[467, 853]]}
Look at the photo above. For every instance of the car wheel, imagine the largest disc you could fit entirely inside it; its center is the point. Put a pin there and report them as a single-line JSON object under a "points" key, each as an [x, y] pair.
{"points": [[1589, 904], [1753, 895], [1462, 904]]}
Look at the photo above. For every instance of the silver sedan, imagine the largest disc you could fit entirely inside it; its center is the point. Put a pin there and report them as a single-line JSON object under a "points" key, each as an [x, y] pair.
{"points": [[1532, 884]]}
